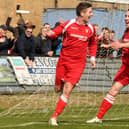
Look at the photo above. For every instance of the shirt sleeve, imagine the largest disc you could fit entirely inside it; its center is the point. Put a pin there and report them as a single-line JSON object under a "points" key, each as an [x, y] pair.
{"points": [[93, 45], [58, 30]]}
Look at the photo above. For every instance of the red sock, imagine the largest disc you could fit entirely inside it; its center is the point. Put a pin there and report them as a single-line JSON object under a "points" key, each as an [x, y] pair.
{"points": [[60, 106], [106, 105]]}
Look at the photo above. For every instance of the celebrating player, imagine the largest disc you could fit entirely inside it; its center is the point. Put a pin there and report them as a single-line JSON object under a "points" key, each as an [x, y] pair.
{"points": [[122, 77], [78, 34]]}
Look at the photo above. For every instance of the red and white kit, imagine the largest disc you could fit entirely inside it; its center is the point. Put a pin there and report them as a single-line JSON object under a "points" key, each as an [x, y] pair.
{"points": [[76, 39], [122, 75]]}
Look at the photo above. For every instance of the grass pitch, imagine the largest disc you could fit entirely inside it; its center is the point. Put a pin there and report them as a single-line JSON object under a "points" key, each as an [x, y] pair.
{"points": [[33, 111]]}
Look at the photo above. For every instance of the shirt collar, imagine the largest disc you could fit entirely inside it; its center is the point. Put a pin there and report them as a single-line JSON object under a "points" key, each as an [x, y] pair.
{"points": [[79, 23]]}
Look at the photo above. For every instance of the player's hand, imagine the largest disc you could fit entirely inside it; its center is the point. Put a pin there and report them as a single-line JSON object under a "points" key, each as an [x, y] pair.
{"points": [[116, 45], [93, 64], [50, 33], [105, 45], [57, 88]]}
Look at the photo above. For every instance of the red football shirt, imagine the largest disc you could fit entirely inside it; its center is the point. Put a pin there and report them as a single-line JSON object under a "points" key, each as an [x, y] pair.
{"points": [[76, 39], [125, 51]]}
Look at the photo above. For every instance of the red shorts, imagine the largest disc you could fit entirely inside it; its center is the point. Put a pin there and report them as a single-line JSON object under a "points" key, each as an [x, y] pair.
{"points": [[122, 75], [69, 71]]}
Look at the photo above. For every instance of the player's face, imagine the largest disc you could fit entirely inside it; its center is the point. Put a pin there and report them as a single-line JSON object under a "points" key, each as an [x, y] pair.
{"points": [[127, 20], [87, 14]]}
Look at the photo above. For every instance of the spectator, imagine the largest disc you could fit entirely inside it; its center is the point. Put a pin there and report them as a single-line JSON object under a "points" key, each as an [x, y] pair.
{"points": [[57, 42], [103, 38], [59, 46], [112, 52], [25, 45], [112, 35], [43, 44], [5, 43], [59, 22], [47, 25], [18, 29]]}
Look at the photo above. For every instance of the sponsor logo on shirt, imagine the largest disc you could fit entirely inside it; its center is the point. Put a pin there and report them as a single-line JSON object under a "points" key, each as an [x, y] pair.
{"points": [[75, 28], [80, 37]]}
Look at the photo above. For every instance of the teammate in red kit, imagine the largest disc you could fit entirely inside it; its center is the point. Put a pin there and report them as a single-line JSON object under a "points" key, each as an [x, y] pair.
{"points": [[78, 34], [122, 77]]}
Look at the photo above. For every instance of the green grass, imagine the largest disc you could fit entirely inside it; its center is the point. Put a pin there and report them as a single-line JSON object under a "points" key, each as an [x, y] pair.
{"points": [[67, 121], [18, 115]]}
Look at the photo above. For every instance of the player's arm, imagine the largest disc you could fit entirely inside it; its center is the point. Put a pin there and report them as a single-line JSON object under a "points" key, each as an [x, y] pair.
{"points": [[116, 45], [93, 50], [57, 31], [105, 45], [50, 33], [92, 61], [124, 45]]}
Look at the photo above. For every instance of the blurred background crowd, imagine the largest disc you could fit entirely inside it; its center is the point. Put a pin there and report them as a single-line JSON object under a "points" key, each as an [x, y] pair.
{"points": [[19, 39]]}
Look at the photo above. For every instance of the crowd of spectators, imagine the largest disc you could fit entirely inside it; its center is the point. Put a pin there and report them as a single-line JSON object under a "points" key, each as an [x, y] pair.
{"points": [[105, 37], [22, 41]]}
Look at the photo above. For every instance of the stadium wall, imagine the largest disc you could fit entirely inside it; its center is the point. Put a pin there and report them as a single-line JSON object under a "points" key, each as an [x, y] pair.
{"points": [[17, 77]]}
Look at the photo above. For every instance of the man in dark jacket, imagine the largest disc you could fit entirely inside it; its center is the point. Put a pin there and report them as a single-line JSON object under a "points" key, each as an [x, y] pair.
{"points": [[26, 44], [43, 44]]}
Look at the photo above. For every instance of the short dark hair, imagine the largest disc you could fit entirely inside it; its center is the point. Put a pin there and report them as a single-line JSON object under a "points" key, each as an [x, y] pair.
{"points": [[81, 6], [112, 31], [46, 24], [105, 28]]}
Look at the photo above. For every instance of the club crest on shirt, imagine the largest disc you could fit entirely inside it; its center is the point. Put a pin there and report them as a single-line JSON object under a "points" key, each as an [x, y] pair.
{"points": [[87, 31]]}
